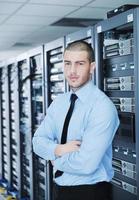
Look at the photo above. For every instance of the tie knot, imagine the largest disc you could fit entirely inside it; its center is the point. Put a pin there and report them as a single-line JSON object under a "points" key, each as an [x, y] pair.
{"points": [[73, 97]]}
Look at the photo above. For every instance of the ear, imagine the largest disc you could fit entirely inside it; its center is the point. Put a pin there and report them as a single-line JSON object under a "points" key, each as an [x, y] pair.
{"points": [[92, 68]]}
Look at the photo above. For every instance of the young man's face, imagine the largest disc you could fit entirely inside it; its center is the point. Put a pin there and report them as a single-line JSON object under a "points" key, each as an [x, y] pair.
{"points": [[77, 68]]}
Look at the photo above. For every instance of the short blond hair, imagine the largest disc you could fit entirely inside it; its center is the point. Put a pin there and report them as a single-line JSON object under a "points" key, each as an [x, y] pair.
{"points": [[82, 46]]}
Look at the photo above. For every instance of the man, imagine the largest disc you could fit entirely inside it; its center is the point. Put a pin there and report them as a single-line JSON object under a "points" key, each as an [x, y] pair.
{"points": [[83, 162]]}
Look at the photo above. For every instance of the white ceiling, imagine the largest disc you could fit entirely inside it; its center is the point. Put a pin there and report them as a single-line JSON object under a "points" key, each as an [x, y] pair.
{"points": [[25, 24]]}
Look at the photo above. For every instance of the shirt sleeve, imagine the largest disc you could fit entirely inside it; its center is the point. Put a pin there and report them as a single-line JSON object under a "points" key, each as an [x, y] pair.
{"points": [[44, 138], [97, 138]]}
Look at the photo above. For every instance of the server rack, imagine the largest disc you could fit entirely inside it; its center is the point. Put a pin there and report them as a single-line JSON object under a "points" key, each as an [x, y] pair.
{"points": [[31, 113], [117, 61], [0, 127], [1, 116], [54, 82], [38, 111], [85, 34], [15, 161], [25, 127]]}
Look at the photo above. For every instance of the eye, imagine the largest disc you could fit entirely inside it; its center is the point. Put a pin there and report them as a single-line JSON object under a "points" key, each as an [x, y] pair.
{"points": [[67, 63], [81, 63]]}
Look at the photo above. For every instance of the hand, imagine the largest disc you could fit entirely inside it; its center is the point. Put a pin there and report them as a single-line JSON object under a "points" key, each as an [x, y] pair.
{"points": [[71, 146]]}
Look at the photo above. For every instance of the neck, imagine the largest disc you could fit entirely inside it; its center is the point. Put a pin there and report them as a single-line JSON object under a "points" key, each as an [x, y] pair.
{"points": [[76, 89]]}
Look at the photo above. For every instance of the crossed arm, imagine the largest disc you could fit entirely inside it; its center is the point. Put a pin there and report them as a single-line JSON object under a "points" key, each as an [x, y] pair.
{"points": [[71, 156], [71, 146], [45, 145]]}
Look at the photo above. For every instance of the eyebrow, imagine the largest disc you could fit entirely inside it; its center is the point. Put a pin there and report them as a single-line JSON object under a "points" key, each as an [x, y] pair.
{"points": [[67, 61], [76, 61]]}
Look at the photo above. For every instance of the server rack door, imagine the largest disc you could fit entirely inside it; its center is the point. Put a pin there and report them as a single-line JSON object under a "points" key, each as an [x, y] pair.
{"points": [[5, 129], [0, 124], [116, 65], [86, 34], [14, 131], [37, 101], [25, 129], [136, 59], [54, 83]]}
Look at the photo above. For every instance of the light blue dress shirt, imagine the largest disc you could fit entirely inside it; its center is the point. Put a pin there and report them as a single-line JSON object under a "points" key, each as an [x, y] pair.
{"points": [[94, 122]]}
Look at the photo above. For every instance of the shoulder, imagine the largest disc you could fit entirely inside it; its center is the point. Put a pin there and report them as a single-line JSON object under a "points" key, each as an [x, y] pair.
{"points": [[102, 98], [103, 104], [58, 101], [61, 98]]}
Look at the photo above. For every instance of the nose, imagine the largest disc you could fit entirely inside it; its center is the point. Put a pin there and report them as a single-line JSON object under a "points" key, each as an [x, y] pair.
{"points": [[73, 68]]}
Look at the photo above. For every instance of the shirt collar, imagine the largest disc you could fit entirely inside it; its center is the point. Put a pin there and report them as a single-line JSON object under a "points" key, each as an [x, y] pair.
{"points": [[84, 92]]}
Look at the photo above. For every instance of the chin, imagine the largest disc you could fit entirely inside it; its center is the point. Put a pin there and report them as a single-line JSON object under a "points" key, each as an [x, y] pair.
{"points": [[74, 86]]}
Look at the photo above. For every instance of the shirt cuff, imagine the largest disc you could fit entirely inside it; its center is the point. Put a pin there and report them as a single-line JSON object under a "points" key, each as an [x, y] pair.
{"points": [[52, 151], [58, 162]]}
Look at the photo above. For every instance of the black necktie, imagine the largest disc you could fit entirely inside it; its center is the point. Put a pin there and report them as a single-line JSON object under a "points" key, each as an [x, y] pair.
{"points": [[65, 127]]}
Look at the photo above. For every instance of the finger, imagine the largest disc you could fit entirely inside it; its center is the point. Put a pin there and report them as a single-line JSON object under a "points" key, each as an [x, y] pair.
{"points": [[78, 142]]}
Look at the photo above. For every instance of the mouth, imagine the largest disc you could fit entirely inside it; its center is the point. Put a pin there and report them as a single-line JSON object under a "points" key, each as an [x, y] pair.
{"points": [[73, 78]]}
